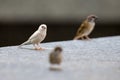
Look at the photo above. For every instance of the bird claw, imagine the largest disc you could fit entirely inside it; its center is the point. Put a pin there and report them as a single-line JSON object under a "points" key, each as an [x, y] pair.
{"points": [[39, 48], [87, 38]]}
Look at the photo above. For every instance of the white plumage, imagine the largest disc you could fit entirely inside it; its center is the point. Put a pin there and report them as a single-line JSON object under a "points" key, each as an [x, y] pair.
{"points": [[37, 37]]}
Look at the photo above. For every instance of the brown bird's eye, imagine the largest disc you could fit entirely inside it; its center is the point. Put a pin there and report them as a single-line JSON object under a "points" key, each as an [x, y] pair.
{"points": [[93, 16]]}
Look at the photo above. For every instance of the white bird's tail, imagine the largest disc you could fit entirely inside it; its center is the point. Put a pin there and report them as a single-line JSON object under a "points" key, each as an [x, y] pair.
{"points": [[25, 43]]}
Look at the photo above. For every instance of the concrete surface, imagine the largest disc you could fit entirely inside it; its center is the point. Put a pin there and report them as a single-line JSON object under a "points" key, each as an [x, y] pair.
{"points": [[96, 59]]}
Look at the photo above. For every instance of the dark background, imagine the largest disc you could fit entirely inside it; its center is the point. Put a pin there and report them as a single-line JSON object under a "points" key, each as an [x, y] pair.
{"points": [[20, 18], [14, 33]]}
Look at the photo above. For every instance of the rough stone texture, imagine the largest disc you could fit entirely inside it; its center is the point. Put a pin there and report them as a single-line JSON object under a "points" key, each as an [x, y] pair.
{"points": [[96, 59]]}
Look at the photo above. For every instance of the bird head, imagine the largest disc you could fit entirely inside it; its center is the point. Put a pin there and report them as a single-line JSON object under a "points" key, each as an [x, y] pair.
{"points": [[92, 18], [42, 27], [58, 49]]}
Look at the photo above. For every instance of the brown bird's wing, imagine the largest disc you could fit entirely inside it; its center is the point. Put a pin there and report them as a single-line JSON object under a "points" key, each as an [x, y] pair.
{"points": [[59, 60], [82, 28], [51, 58], [55, 58]]}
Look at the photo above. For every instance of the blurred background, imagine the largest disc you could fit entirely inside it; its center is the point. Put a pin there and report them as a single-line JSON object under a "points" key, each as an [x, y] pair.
{"points": [[20, 18]]}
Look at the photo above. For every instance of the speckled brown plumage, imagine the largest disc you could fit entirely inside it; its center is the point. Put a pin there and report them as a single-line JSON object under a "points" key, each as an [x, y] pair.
{"points": [[86, 27], [55, 56]]}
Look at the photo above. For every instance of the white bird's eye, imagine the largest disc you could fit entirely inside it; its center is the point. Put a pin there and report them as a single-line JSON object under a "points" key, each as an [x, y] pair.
{"points": [[43, 27]]}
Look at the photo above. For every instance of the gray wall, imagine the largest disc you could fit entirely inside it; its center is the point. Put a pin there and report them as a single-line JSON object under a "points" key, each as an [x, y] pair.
{"points": [[58, 9]]}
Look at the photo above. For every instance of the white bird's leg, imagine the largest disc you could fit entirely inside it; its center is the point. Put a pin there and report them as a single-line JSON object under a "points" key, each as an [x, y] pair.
{"points": [[39, 48], [36, 46]]}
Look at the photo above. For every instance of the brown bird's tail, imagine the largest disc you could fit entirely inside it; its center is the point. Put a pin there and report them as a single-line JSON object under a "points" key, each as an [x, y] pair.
{"points": [[76, 38]]}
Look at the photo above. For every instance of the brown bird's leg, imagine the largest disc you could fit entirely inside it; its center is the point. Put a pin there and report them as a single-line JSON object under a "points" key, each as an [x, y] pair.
{"points": [[87, 37], [82, 38]]}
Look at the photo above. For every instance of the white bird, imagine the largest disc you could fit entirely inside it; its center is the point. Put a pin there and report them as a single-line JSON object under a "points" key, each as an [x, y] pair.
{"points": [[37, 37]]}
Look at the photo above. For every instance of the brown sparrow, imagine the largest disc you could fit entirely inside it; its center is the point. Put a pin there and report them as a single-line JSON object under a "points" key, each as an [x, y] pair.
{"points": [[37, 37], [86, 27], [55, 56]]}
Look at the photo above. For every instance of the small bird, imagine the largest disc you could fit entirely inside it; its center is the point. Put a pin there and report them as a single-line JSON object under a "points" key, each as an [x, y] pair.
{"points": [[86, 27], [55, 56], [37, 37]]}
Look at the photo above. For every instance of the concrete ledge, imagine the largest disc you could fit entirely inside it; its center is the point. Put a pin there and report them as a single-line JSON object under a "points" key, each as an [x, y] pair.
{"points": [[97, 59]]}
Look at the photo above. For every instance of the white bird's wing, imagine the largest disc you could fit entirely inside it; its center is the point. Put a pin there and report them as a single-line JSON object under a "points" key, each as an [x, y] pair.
{"points": [[34, 35]]}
